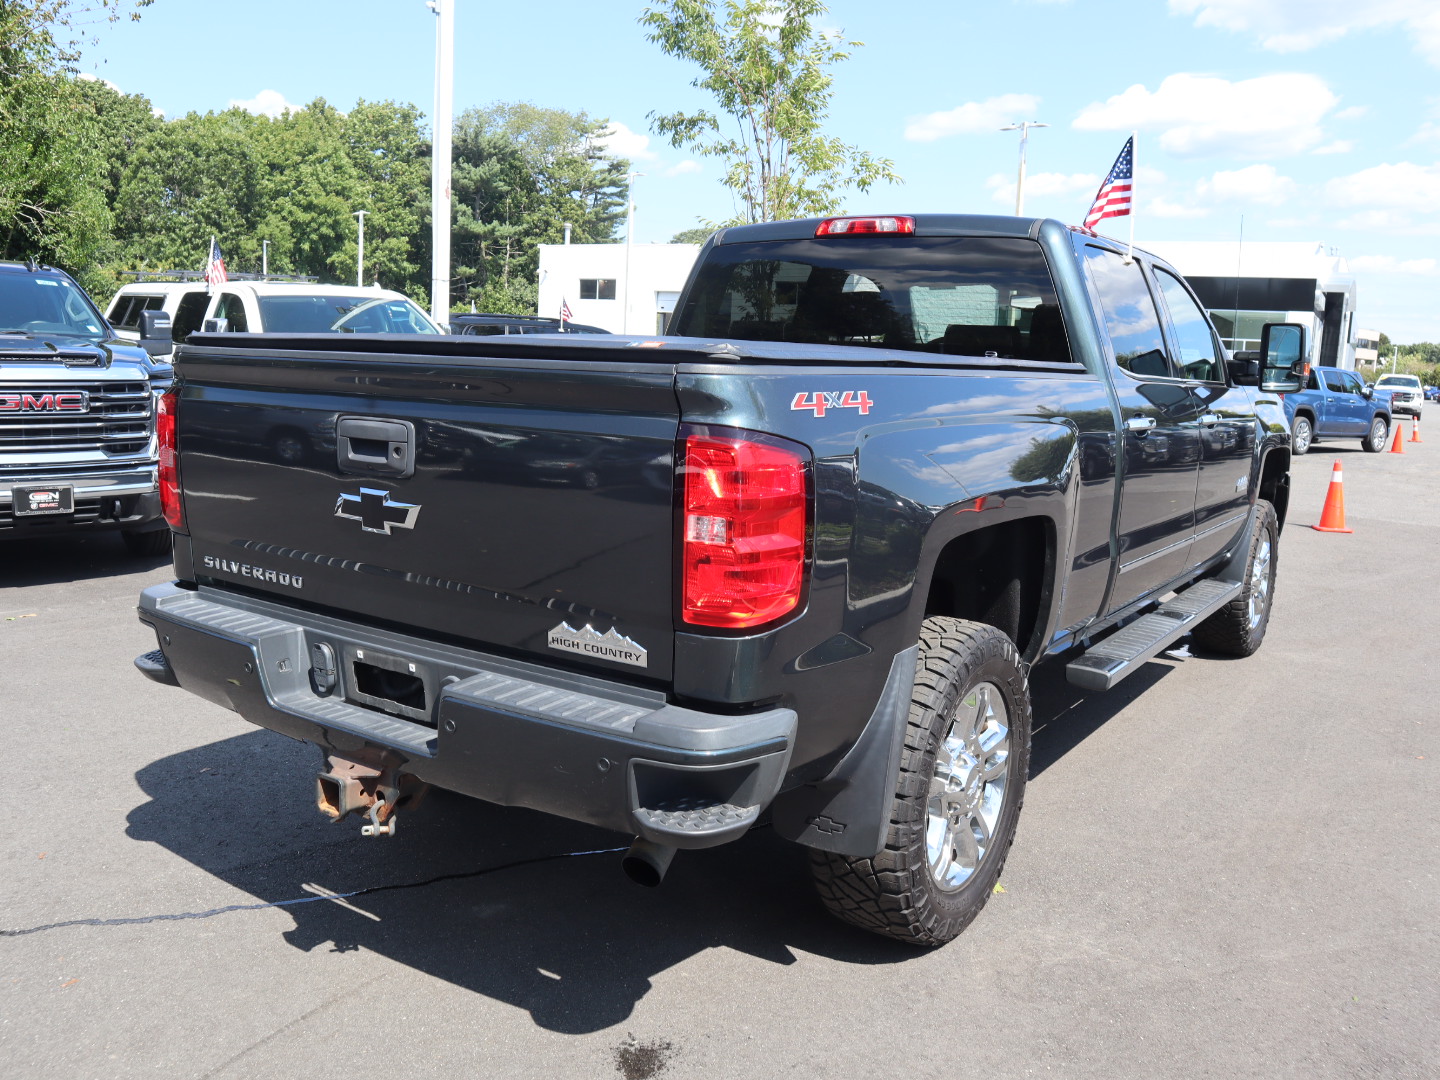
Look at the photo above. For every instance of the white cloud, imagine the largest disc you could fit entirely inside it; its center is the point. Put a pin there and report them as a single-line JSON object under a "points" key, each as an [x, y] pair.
{"points": [[1404, 186], [972, 118], [1339, 146], [266, 103], [1164, 208], [1389, 264], [85, 76], [1296, 25], [1002, 187], [617, 140], [682, 168], [1255, 184], [1203, 115], [1429, 132], [1354, 112]]}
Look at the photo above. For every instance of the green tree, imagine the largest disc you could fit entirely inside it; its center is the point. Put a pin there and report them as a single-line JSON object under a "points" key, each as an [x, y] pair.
{"points": [[521, 173], [691, 236], [194, 177], [391, 156], [768, 68]]}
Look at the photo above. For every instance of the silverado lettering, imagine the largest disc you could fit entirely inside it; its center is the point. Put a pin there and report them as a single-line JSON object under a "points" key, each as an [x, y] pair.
{"points": [[879, 469]]}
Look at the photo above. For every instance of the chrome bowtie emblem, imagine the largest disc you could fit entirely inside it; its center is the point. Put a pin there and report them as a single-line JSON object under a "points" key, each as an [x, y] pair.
{"points": [[376, 512]]}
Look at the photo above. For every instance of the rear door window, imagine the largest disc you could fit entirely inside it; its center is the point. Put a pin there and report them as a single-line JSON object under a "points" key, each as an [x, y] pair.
{"points": [[1130, 316]]}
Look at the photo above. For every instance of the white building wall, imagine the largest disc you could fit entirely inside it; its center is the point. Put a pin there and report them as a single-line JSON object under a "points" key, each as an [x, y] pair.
{"points": [[657, 273]]}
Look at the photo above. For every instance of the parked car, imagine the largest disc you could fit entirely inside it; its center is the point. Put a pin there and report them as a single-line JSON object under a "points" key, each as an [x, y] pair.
{"points": [[1432, 393], [259, 307], [1336, 404], [812, 545], [77, 414], [517, 324], [1406, 393]]}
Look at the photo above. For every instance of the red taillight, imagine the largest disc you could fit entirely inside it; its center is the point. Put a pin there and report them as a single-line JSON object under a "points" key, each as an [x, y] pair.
{"points": [[857, 226], [169, 465], [743, 544]]}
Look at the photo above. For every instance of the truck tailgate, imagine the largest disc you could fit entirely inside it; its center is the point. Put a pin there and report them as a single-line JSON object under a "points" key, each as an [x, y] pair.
{"points": [[534, 512]]}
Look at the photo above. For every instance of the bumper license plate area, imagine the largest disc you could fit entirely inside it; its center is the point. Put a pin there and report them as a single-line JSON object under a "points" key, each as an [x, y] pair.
{"points": [[47, 499], [392, 684]]}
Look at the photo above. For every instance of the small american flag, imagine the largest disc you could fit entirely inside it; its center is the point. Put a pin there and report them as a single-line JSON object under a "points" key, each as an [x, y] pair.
{"points": [[215, 269], [565, 315], [1113, 198]]}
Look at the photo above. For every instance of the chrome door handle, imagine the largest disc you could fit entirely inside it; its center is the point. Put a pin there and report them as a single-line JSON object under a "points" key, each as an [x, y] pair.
{"points": [[1140, 424], [1210, 419]]}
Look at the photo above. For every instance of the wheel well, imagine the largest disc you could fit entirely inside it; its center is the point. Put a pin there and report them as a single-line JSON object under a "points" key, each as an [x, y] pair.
{"points": [[1275, 483], [995, 576], [1306, 412]]}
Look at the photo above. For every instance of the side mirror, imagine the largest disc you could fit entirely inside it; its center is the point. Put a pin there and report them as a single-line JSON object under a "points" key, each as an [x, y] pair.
{"points": [[1283, 363], [155, 336], [1367, 391], [215, 326]]}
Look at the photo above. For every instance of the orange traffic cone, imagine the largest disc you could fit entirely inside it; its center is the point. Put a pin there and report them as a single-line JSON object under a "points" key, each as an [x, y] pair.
{"points": [[1332, 518], [1398, 446], [1415, 429]]}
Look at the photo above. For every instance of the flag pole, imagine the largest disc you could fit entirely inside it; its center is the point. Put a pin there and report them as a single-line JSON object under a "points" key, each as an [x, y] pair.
{"points": [[1130, 251]]}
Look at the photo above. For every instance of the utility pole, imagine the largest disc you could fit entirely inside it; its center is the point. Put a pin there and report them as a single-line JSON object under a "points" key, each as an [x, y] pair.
{"points": [[360, 248], [265, 258], [630, 178], [440, 158], [1024, 128]]}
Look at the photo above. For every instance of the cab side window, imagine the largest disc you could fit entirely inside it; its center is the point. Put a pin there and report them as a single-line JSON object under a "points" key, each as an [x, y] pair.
{"points": [[232, 309], [189, 315], [1199, 352], [1130, 316]]}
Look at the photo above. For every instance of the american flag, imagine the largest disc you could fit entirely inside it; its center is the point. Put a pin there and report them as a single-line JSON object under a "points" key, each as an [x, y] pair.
{"points": [[1113, 198], [215, 269], [565, 315]]}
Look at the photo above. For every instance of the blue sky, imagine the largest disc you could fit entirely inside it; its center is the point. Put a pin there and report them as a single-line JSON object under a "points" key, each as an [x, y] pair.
{"points": [[1315, 120]]}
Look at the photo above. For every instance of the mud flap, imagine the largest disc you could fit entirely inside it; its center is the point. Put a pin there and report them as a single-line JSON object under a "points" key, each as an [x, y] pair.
{"points": [[849, 811]]}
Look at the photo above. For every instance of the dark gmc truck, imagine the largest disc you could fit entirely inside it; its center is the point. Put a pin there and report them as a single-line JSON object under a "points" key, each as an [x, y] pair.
{"points": [[797, 559]]}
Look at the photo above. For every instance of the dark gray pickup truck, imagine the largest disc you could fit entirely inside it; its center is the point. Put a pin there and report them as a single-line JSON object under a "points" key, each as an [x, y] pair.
{"points": [[797, 559]]}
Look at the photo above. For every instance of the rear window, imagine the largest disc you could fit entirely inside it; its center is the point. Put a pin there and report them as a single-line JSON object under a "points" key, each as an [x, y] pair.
{"points": [[972, 296]]}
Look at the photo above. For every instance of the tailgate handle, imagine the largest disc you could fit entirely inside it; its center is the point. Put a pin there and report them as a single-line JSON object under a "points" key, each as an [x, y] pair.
{"points": [[370, 447]]}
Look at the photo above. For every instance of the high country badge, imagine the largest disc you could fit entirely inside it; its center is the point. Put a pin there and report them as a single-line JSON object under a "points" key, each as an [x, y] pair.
{"points": [[587, 641]]}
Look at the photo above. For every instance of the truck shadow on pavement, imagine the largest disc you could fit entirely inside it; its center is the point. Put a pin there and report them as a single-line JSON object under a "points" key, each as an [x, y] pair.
{"points": [[54, 559], [571, 941]]}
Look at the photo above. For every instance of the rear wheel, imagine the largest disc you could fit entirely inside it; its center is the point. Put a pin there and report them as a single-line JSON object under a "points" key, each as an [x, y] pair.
{"points": [[1302, 434], [1379, 430], [957, 799], [1238, 628]]}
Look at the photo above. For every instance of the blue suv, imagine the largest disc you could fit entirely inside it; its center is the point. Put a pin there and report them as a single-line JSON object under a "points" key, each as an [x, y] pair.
{"points": [[1336, 404]]}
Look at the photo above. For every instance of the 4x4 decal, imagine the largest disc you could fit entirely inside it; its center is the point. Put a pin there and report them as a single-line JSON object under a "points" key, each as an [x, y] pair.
{"points": [[821, 400]]}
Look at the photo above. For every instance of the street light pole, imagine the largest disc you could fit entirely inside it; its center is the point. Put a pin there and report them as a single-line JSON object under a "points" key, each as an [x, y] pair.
{"points": [[360, 248], [1024, 128], [265, 258], [630, 179], [440, 158]]}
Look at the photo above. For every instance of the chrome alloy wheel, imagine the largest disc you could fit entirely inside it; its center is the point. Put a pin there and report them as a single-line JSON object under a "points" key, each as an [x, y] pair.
{"points": [[967, 789], [1260, 583]]}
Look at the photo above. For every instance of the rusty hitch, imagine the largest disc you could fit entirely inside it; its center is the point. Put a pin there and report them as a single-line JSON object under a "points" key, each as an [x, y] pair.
{"points": [[369, 783]]}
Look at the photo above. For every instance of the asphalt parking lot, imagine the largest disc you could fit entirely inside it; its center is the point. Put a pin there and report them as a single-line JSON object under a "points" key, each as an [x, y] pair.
{"points": [[1224, 869]]}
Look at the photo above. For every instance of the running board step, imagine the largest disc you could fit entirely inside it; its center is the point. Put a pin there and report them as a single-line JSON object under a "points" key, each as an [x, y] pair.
{"points": [[1120, 654]]}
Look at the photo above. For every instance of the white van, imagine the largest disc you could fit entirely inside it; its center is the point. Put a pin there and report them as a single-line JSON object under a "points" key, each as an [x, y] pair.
{"points": [[258, 307]]}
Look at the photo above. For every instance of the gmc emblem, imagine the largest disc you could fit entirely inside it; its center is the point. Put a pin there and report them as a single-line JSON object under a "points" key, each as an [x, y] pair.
{"points": [[68, 401]]}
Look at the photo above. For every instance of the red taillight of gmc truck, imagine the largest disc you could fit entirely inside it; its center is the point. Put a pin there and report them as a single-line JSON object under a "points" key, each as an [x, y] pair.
{"points": [[744, 526], [169, 465]]}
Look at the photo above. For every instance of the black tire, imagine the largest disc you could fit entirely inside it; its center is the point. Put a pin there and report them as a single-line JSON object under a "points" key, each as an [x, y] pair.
{"points": [[897, 893], [1379, 433], [149, 544], [1238, 628], [1302, 435]]}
